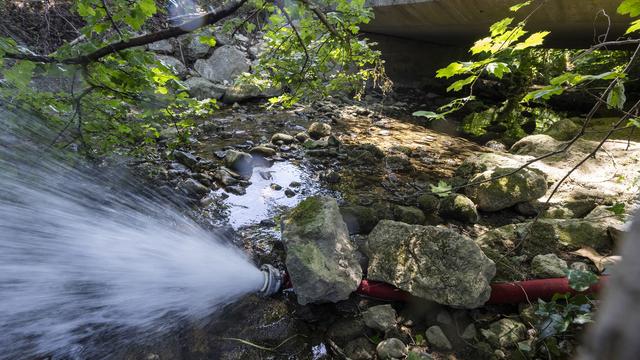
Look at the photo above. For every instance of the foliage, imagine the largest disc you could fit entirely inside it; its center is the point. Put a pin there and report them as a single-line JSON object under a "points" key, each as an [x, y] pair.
{"points": [[443, 189], [123, 99]]}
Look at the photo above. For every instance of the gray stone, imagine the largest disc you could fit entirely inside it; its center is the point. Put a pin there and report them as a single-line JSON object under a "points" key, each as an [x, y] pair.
{"points": [[536, 145], [430, 262], [176, 66], [226, 63], [243, 92], [344, 330], [563, 130], [548, 266], [320, 258], [390, 349], [302, 137], [359, 219], [161, 47], [399, 163], [436, 337], [201, 88], [225, 177], [525, 185], [193, 188], [186, 159], [580, 266], [360, 349], [319, 130], [429, 203], [459, 207], [192, 48], [239, 161], [263, 151], [469, 332], [409, 215], [282, 138], [381, 317]]}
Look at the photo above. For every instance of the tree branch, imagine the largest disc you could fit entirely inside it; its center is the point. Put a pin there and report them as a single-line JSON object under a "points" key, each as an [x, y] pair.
{"points": [[187, 27]]}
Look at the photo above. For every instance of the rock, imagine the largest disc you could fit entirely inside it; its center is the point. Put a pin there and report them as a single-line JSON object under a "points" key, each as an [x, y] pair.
{"points": [[289, 193], [239, 161], [507, 333], [360, 349], [345, 330], [525, 185], [536, 145], [409, 215], [546, 235], [332, 177], [430, 262], [176, 66], [580, 266], [295, 184], [263, 151], [474, 165], [193, 48], [193, 188], [390, 349], [202, 89], [436, 337], [469, 333], [226, 63], [302, 137], [161, 47], [278, 138], [320, 257], [225, 177], [459, 207], [429, 203], [496, 145], [276, 187], [359, 219], [548, 266], [381, 317], [242, 92], [186, 159], [399, 163], [563, 130], [236, 189], [268, 223], [319, 130]]}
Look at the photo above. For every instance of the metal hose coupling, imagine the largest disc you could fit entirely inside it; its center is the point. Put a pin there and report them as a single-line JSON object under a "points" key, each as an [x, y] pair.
{"points": [[273, 280]]}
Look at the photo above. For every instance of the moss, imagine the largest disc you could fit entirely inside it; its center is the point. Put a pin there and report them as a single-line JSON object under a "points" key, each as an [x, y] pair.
{"points": [[305, 212]]}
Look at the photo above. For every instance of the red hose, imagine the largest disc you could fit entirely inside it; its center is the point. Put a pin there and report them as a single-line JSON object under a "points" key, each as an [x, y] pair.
{"points": [[501, 293]]}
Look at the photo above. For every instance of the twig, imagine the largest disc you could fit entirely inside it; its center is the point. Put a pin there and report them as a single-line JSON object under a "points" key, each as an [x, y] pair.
{"points": [[113, 23], [265, 348]]}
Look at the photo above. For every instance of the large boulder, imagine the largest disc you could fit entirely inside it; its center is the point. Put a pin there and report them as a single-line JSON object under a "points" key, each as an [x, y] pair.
{"points": [[191, 46], [201, 88], [242, 92], [176, 66], [430, 262], [563, 130], [321, 259], [226, 63], [239, 161], [161, 47], [536, 145], [459, 207], [506, 191]]}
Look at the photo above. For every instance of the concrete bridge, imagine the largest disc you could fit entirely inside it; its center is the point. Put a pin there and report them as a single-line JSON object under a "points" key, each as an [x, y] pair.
{"points": [[419, 36]]}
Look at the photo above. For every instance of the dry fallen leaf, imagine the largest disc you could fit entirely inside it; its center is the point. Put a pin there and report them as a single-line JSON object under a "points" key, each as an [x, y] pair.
{"points": [[601, 262]]}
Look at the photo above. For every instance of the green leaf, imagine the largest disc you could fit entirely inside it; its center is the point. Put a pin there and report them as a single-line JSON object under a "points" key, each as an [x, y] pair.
{"points": [[617, 97], [618, 209], [545, 93], [458, 85], [629, 7], [635, 26], [19, 75], [582, 319], [85, 9], [442, 189], [148, 7], [208, 40], [500, 27], [428, 114], [498, 69], [634, 122], [535, 39], [455, 68], [517, 7], [581, 280], [482, 45]]}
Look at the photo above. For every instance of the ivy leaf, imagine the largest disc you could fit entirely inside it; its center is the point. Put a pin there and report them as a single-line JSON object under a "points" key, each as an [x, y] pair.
{"points": [[455, 68], [617, 97], [517, 7], [498, 69], [581, 280], [208, 40], [535, 39], [500, 27], [458, 85], [442, 189], [629, 7]]}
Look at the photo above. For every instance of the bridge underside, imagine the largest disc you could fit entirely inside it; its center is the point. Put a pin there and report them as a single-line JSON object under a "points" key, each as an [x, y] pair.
{"points": [[573, 23]]}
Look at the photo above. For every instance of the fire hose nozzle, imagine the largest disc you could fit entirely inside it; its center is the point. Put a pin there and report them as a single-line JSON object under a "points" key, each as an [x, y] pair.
{"points": [[273, 280]]}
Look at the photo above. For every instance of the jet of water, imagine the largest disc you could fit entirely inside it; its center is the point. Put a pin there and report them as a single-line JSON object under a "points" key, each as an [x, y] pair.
{"points": [[80, 252]]}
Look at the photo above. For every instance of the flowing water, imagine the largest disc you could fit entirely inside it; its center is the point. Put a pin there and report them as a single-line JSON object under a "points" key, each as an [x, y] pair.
{"points": [[82, 252]]}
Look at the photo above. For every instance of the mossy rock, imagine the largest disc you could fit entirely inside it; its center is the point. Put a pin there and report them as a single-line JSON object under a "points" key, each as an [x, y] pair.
{"points": [[506, 191], [459, 207]]}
